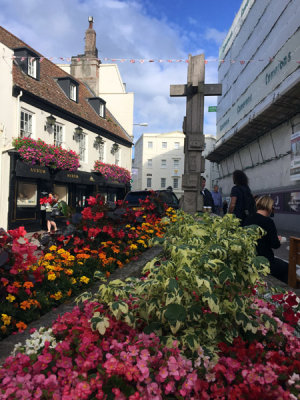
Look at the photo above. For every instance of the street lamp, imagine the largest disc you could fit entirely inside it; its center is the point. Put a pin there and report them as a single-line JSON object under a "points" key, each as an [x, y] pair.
{"points": [[142, 124]]}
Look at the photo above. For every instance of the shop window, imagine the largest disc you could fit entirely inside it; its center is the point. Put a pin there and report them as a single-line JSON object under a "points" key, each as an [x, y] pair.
{"points": [[61, 192], [26, 119], [27, 194]]}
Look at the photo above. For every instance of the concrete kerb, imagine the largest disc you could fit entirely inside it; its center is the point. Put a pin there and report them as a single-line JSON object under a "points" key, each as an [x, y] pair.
{"points": [[133, 269]]}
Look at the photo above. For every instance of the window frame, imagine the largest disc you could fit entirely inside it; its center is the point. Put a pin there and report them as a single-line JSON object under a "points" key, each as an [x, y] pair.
{"points": [[32, 67], [163, 183], [118, 157], [176, 163], [162, 165], [175, 186], [83, 148], [150, 145], [30, 114], [58, 130], [73, 91], [164, 145], [176, 145], [149, 180], [101, 151], [149, 163]]}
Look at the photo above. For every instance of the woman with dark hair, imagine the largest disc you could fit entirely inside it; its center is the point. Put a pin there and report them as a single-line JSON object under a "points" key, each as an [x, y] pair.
{"points": [[265, 207], [242, 202]]}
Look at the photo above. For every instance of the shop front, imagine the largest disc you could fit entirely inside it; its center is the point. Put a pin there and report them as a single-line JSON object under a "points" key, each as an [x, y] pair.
{"points": [[29, 183]]}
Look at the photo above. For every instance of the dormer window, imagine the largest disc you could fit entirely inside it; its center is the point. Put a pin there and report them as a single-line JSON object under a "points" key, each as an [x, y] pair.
{"points": [[28, 61], [99, 105], [32, 67], [73, 92], [69, 86]]}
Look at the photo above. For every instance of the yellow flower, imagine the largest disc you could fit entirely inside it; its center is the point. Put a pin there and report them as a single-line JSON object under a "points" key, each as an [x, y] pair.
{"points": [[51, 276], [73, 281], [127, 226], [52, 248], [132, 228], [56, 296], [140, 241], [10, 298], [84, 279], [6, 319], [60, 251], [133, 246]]}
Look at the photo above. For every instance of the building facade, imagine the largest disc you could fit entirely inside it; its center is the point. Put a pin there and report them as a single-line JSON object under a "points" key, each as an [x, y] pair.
{"points": [[258, 114], [39, 100], [159, 162]]}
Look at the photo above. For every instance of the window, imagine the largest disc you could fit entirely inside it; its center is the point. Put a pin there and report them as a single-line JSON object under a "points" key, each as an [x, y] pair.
{"points": [[150, 145], [58, 135], [164, 145], [176, 163], [73, 92], [175, 183], [150, 163], [102, 110], [117, 157], [101, 151], [176, 145], [149, 182], [26, 124], [32, 67], [163, 164], [163, 182], [82, 148]]}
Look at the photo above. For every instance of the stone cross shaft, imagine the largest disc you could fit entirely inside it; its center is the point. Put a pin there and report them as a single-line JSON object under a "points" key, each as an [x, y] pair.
{"points": [[194, 165]]}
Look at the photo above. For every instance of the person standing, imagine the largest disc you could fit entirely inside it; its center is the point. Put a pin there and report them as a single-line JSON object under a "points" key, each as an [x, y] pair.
{"points": [[207, 197], [217, 198], [271, 240], [52, 200], [242, 201]]}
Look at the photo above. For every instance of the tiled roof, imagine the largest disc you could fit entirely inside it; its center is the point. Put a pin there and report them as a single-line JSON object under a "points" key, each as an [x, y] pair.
{"points": [[48, 89]]}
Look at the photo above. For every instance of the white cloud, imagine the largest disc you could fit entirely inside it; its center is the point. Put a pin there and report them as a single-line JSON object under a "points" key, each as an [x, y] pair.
{"points": [[215, 35], [56, 28]]}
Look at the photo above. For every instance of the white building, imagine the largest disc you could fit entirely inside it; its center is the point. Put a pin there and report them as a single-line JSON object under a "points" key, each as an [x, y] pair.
{"points": [[211, 172], [41, 101], [258, 114], [159, 162]]}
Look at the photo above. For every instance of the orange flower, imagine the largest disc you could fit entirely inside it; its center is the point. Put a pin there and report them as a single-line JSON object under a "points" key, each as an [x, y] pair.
{"points": [[25, 304], [69, 292], [115, 249], [107, 273], [21, 326], [28, 285], [17, 284], [102, 256]]}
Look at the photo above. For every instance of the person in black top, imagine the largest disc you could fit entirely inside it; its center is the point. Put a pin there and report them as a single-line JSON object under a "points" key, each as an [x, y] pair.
{"points": [[241, 199], [271, 240], [207, 197]]}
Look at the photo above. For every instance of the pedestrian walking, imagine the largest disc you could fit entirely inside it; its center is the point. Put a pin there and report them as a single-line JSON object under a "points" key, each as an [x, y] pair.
{"points": [[217, 198], [242, 201]]}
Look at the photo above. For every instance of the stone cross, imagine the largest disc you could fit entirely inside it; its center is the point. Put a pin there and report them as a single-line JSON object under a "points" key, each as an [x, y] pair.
{"points": [[194, 91]]}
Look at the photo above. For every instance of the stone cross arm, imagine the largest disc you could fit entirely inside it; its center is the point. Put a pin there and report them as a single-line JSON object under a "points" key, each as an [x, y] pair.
{"points": [[207, 89]]}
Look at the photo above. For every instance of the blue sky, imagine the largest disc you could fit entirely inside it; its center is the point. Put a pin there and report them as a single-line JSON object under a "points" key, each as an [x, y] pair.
{"points": [[132, 29]]}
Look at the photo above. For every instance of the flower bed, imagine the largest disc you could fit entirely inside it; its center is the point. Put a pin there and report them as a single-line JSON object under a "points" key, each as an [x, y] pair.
{"points": [[31, 287], [198, 325], [113, 172], [38, 152]]}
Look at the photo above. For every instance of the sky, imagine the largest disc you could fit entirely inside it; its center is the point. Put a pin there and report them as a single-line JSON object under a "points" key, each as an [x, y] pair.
{"points": [[133, 30]]}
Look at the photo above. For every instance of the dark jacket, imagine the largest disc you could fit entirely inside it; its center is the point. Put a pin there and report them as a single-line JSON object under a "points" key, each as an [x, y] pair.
{"points": [[207, 199]]}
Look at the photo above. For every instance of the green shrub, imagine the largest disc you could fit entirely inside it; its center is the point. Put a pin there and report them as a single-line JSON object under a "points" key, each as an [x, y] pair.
{"points": [[200, 292]]}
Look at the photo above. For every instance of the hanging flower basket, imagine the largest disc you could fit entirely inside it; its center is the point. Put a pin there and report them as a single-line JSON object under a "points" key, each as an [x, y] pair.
{"points": [[38, 152], [113, 172]]}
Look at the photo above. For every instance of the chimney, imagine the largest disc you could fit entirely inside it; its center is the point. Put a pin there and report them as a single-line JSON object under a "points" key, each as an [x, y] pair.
{"points": [[90, 49]]}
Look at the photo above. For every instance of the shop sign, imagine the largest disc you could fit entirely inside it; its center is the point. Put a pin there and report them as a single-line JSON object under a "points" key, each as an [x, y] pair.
{"points": [[31, 171]]}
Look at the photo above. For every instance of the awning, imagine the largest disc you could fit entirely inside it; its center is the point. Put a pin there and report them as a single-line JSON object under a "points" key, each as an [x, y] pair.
{"points": [[282, 109], [32, 171]]}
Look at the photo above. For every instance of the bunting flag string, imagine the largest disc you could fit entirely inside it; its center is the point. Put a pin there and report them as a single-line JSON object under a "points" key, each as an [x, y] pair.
{"points": [[143, 61]]}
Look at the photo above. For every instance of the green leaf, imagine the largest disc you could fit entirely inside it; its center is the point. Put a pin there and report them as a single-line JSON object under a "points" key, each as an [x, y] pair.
{"points": [[175, 312]]}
